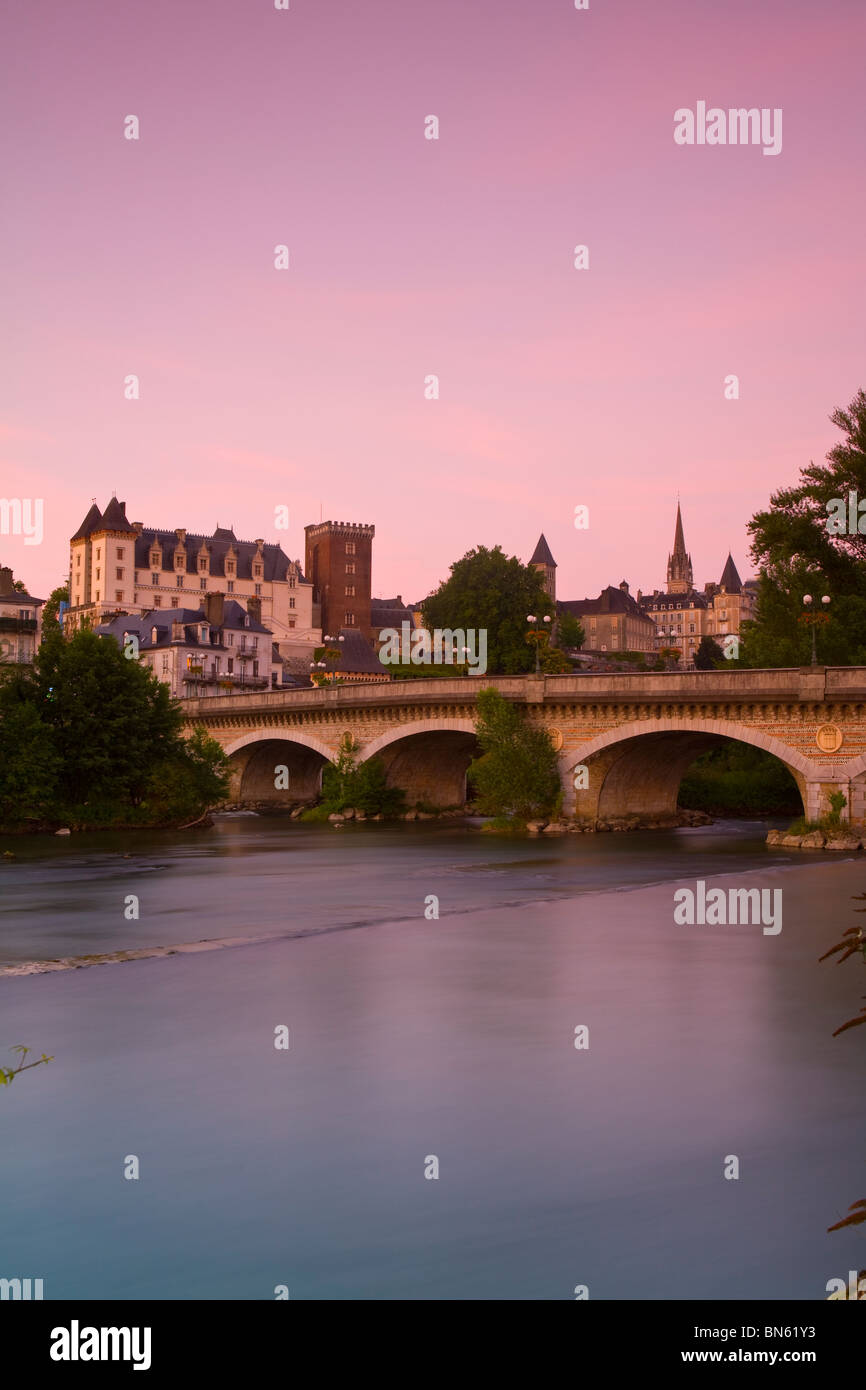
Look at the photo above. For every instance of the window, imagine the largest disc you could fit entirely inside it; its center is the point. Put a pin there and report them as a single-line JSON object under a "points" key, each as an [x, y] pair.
{"points": [[154, 559], [291, 603], [691, 627], [202, 633], [230, 567], [292, 581], [154, 579], [202, 564], [231, 664], [202, 583], [258, 588], [257, 571], [350, 591], [118, 574], [120, 552], [231, 586], [174, 603], [118, 597], [180, 581], [154, 634], [97, 574], [348, 620], [350, 547], [350, 567], [291, 622], [255, 643], [255, 668], [180, 562], [97, 552], [164, 663], [157, 600], [78, 558]]}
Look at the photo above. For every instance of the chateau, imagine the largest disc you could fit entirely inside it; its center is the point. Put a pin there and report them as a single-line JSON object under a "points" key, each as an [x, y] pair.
{"points": [[122, 567]]}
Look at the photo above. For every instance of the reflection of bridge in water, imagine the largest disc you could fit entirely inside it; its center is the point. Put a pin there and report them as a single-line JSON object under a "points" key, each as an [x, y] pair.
{"points": [[636, 734]]}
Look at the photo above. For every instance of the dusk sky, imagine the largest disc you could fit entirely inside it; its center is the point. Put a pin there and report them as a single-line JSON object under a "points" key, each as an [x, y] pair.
{"points": [[409, 257]]}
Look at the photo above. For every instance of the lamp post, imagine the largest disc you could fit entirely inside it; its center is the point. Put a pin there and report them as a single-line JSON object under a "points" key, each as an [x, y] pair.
{"points": [[814, 619], [535, 636]]}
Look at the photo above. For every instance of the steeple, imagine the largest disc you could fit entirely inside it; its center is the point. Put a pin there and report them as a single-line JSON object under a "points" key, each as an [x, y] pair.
{"points": [[543, 561], [680, 577], [730, 580]]}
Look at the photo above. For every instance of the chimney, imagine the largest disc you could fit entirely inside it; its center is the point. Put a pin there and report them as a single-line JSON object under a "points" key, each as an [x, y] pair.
{"points": [[176, 630], [214, 608], [254, 608], [6, 581], [623, 586], [138, 527]]}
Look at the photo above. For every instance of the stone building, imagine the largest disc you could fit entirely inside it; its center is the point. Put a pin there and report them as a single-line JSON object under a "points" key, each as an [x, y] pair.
{"points": [[219, 648], [20, 622], [118, 566], [339, 563], [682, 614], [613, 622]]}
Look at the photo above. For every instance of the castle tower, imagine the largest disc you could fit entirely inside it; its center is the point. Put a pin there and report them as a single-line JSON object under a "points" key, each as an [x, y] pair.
{"points": [[680, 577], [339, 561], [543, 561]]}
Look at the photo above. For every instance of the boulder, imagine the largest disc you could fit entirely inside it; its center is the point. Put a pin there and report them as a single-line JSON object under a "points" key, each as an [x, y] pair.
{"points": [[814, 840], [845, 842], [774, 837], [336, 817], [348, 812], [554, 828], [535, 826], [63, 832], [791, 841]]}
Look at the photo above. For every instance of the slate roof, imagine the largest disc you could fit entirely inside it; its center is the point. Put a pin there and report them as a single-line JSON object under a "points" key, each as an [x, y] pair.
{"points": [[541, 554], [654, 602], [389, 612], [142, 625], [730, 580], [610, 600], [275, 562], [89, 524], [356, 656], [20, 599]]}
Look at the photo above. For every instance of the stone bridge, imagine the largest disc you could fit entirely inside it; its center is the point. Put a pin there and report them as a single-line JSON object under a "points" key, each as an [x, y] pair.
{"points": [[634, 734]]}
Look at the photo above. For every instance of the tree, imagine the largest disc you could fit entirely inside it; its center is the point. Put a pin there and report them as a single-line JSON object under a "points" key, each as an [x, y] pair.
{"points": [[488, 590], [708, 655], [29, 762], [51, 606], [570, 631], [364, 786], [193, 778], [810, 540], [517, 771], [112, 721]]}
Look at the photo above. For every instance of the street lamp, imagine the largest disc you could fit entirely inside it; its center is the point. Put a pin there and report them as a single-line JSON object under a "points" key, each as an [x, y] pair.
{"points": [[535, 636], [814, 619]]}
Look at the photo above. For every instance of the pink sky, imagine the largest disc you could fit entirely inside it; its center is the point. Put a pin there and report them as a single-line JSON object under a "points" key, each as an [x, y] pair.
{"points": [[409, 257]]}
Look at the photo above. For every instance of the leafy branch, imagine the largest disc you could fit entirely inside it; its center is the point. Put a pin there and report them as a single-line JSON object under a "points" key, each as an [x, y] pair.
{"points": [[7, 1075]]}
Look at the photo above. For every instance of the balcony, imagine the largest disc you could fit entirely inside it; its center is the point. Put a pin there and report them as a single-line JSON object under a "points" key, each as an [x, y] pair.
{"points": [[17, 624]]}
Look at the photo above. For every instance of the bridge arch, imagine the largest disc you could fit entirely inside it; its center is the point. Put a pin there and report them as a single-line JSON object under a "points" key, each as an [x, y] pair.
{"points": [[637, 767], [428, 758], [255, 756]]}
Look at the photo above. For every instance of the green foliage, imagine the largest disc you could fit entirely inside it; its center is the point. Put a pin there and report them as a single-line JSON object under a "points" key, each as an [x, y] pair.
{"points": [[89, 738], [517, 772], [8, 1074], [418, 673], [491, 591], [797, 554], [737, 779], [570, 632], [709, 655], [51, 605], [345, 782]]}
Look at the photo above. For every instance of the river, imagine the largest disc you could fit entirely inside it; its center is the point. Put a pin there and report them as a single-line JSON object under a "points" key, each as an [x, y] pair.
{"points": [[414, 1038]]}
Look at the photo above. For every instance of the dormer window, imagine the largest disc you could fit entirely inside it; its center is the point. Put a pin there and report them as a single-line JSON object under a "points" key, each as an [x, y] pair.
{"points": [[202, 564], [230, 566], [257, 571], [179, 561], [154, 635], [202, 633], [154, 559], [246, 620]]}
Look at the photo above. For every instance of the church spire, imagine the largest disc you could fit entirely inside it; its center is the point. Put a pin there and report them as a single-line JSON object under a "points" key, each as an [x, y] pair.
{"points": [[680, 577]]}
